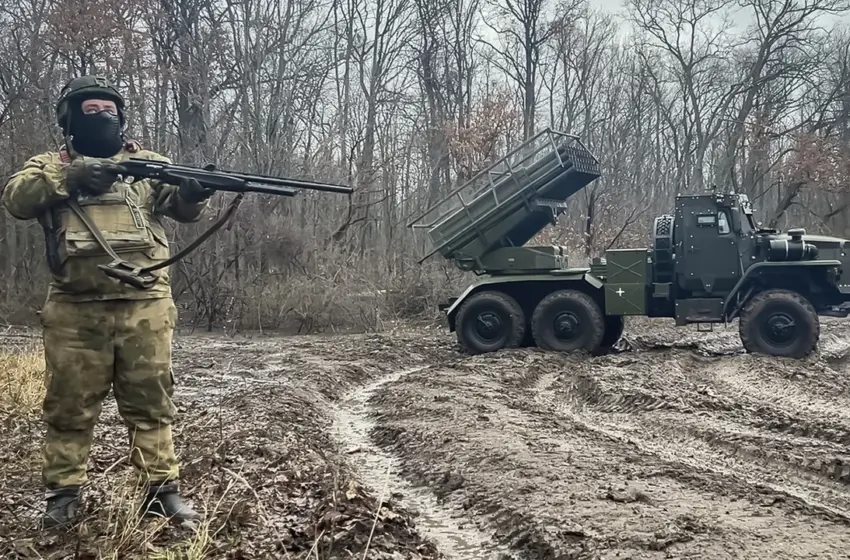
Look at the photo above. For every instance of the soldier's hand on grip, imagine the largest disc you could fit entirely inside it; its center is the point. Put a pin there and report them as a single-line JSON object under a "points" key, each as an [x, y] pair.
{"points": [[192, 191], [89, 176]]}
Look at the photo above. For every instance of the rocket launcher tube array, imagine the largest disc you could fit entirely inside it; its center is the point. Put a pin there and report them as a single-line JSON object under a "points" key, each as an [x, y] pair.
{"points": [[503, 212]]}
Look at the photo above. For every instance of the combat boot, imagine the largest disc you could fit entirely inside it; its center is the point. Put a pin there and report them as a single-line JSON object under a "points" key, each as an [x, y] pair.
{"points": [[62, 505], [163, 500]]}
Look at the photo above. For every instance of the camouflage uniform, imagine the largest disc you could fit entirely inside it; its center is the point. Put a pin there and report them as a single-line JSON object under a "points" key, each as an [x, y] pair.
{"points": [[99, 333]]}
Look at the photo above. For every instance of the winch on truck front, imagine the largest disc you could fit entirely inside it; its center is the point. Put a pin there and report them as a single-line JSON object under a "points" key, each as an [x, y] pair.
{"points": [[708, 263]]}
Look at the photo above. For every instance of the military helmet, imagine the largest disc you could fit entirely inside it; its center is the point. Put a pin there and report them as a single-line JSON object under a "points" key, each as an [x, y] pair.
{"points": [[87, 87]]}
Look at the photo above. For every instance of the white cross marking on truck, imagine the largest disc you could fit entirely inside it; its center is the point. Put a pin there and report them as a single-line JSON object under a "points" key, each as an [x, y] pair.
{"points": [[620, 292]]}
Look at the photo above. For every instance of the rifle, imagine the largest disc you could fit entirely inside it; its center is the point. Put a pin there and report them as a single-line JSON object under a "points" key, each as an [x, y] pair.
{"points": [[208, 177], [220, 180]]}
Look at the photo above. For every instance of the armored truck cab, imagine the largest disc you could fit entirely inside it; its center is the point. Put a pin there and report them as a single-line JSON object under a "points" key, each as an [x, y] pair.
{"points": [[707, 263], [710, 263]]}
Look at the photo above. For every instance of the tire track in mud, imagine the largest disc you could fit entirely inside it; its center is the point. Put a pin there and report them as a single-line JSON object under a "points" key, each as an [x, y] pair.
{"points": [[715, 490], [650, 454], [547, 487], [622, 456], [708, 451], [472, 449], [769, 426], [352, 426], [778, 415], [784, 406], [338, 385]]}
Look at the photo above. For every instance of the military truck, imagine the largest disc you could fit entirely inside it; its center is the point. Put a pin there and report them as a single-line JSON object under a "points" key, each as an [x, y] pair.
{"points": [[707, 263]]}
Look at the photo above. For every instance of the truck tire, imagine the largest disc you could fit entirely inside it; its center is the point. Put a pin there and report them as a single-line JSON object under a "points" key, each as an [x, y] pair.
{"points": [[614, 325], [779, 323], [489, 321], [567, 321]]}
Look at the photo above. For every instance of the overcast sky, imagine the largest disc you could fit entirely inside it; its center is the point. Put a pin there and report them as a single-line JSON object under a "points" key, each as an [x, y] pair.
{"points": [[618, 7], [611, 5]]}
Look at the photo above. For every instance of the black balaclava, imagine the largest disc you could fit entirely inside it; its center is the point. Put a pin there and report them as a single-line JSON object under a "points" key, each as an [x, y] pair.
{"points": [[95, 135]]}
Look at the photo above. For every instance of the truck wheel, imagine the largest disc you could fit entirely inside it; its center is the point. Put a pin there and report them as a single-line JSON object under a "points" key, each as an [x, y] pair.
{"points": [[614, 325], [566, 321], [779, 323], [490, 321]]}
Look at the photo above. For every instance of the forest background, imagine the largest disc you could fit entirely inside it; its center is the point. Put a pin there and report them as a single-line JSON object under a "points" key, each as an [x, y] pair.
{"points": [[406, 99]]}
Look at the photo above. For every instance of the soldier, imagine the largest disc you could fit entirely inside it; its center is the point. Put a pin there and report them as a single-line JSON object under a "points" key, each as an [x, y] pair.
{"points": [[99, 333]]}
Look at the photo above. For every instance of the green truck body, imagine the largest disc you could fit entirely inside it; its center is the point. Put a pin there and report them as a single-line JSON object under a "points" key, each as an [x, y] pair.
{"points": [[707, 262]]}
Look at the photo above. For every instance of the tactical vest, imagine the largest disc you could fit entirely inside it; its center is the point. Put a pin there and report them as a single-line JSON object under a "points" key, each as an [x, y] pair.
{"points": [[124, 220]]}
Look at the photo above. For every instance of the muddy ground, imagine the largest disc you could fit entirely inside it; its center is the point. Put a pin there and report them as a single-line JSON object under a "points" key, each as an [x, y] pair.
{"points": [[678, 445]]}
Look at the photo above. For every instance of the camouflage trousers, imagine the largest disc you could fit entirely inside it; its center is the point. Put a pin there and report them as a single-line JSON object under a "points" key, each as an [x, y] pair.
{"points": [[93, 347]]}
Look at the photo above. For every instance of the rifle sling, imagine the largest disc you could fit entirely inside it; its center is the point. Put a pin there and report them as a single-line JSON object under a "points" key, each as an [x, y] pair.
{"points": [[136, 276]]}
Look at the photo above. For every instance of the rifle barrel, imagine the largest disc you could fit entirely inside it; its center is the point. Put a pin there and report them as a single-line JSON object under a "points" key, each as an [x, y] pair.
{"points": [[270, 180], [270, 189], [311, 185], [262, 188], [290, 183]]}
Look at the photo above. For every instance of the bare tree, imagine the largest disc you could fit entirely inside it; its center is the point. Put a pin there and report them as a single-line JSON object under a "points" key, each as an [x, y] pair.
{"points": [[696, 40], [785, 43], [523, 29], [405, 99]]}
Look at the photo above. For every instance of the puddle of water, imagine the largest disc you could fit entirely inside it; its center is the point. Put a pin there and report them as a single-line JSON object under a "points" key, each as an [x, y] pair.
{"points": [[378, 469]]}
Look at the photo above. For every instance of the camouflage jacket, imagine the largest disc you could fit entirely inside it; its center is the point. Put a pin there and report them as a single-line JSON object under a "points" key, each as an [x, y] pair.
{"points": [[129, 216]]}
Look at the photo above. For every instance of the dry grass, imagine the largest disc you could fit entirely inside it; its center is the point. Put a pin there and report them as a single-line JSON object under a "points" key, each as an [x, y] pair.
{"points": [[116, 529], [22, 375]]}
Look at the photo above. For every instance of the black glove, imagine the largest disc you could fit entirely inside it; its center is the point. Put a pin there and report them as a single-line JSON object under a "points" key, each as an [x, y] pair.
{"points": [[192, 192], [89, 176]]}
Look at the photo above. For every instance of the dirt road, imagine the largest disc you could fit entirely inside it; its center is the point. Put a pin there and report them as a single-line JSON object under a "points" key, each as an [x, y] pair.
{"points": [[679, 446]]}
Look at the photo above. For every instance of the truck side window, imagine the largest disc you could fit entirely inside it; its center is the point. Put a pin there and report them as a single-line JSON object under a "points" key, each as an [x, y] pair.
{"points": [[722, 223]]}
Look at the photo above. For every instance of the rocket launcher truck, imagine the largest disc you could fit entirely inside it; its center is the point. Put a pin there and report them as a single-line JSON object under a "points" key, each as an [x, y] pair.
{"points": [[707, 262]]}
